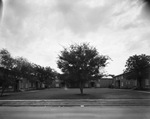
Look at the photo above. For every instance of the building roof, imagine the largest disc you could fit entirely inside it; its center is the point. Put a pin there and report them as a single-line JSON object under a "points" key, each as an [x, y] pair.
{"points": [[128, 73]]}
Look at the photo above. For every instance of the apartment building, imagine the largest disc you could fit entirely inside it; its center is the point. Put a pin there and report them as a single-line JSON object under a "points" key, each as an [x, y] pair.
{"points": [[121, 81]]}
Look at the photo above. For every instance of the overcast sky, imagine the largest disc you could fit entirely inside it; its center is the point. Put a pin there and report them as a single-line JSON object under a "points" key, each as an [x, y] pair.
{"points": [[38, 29]]}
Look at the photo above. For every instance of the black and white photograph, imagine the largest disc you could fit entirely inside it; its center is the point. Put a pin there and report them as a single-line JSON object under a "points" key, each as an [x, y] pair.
{"points": [[74, 59]]}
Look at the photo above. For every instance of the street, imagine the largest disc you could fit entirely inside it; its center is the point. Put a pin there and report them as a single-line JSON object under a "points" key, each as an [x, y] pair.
{"points": [[119, 112]]}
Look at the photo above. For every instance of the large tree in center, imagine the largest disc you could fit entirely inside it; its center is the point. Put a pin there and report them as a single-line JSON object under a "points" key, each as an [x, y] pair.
{"points": [[81, 63]]}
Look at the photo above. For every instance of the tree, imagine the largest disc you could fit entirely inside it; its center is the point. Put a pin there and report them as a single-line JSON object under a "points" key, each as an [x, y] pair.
{"points": [[6, 60], [39, 72], [49, 76], [6, 65], [6, 79], [81, 63], [23, 69], [44, 75], [13, 69], [135, 66]]}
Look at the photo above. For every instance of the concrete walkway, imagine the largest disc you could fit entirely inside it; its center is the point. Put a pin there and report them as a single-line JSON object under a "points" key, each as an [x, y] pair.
{"points": [[77, 102]]}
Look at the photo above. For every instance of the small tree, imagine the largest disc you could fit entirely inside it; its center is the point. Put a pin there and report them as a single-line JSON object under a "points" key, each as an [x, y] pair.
{"points": [[44, 75], [23, 69], [6, 79], [135, 66], [40, 74], [49, 76], [6, 64], [81, 63], [6, 61]]}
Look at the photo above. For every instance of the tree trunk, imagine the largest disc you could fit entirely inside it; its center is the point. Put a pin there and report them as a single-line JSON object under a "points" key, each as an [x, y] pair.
{"points": [[40, 85], [140, 83], [36, 85], [81, 88], [16, 86], [3, 89], [139, 80]]}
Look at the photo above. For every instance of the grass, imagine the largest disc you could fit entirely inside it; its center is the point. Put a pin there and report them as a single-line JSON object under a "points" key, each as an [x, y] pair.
{"points": [[89, 93]]}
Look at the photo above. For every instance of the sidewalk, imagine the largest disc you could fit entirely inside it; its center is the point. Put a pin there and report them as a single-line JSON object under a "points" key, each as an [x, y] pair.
{"points": [[77, 102]]}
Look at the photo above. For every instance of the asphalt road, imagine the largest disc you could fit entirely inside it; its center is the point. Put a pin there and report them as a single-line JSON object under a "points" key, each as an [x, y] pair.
{"points": [[134, 112]]}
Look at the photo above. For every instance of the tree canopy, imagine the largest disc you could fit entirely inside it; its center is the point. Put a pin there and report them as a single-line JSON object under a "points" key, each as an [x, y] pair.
{"points": [[81, 63], [14, 69], [137, 62], [6, 65], [135, 66], [6, 59]]}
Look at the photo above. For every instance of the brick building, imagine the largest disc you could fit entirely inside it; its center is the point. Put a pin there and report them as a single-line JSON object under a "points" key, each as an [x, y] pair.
{"points": [[100, 83], [18, 84], [121, 81]]}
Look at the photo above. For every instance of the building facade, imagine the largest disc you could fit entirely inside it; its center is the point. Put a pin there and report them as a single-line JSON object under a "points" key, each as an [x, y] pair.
{"points": [[121, 81], [18, 84], [100, 83]]}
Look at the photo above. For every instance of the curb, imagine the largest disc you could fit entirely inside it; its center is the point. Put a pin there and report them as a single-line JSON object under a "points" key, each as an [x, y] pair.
{"points": [[76, 102]]}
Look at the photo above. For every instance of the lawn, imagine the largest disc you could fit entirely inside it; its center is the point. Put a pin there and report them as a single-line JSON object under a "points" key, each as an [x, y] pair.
{"points": [[89, 93]]}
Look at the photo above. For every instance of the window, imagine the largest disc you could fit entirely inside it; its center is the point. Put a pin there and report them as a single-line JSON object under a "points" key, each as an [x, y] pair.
{"points": [[29, 84], [147, 82], [56, 80], [26, 85], [10, 87], [121, 83], [57, 85], [21, 84]]}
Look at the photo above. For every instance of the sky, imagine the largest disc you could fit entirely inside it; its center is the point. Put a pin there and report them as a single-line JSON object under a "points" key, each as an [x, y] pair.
{"points": [[39, 29]]}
